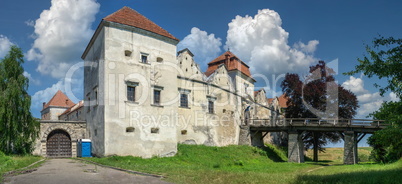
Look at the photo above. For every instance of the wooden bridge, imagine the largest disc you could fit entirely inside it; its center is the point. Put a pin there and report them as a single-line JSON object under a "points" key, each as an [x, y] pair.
{"points": [[351, 131]]}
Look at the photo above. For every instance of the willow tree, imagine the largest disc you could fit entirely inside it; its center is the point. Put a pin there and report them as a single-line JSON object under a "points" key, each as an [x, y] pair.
{"points": [[18, 128]]}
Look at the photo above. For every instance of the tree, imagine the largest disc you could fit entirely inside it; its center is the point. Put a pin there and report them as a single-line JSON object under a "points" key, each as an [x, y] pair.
{"points": [[318, 96], [384, 60], [18, 129]]}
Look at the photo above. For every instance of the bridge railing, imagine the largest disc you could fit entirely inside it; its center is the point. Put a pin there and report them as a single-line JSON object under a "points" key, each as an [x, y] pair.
{"points": [[317, 121]]}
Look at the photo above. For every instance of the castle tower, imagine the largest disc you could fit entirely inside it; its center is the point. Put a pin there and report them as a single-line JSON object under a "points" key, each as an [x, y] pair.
{"points": [[130, 87], [56, 106], [237, 70]]}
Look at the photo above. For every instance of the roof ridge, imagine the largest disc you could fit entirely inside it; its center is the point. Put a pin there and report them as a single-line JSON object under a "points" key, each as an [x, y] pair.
{"points": [[135, 19], [55, 100]]}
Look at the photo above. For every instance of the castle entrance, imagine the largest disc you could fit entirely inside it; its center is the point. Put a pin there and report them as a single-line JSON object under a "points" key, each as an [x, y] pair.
{"points": [[58, 144]]}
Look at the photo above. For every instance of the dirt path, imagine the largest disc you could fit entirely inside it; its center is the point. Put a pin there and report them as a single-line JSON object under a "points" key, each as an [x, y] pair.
{"points": [[65, 171]]}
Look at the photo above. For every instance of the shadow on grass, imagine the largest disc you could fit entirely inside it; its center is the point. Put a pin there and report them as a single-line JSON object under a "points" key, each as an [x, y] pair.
{"points": [[272, 154], [383, 176]]}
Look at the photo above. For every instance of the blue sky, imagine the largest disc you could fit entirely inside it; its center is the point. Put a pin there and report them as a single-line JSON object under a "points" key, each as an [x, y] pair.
{"points": [[54, 33]]}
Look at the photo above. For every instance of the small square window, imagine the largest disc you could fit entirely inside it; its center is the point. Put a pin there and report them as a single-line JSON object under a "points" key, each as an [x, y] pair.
{"points": [[127, 53], [144, 58], [155, 130], [130, 129], [184, 132]]}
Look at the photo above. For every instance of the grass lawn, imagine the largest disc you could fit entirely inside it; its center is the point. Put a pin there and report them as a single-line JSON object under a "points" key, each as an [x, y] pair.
{"points": [[335, 155], [244, 164], [11, 163]]}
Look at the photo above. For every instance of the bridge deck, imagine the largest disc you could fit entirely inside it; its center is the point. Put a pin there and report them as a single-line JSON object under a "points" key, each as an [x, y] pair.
{"points": [[310, 124]]}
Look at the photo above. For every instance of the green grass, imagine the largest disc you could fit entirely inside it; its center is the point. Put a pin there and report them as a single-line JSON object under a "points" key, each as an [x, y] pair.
{"points": [[11, 163], [203, 164], [335, 155], [244, 164], [360, 173]]}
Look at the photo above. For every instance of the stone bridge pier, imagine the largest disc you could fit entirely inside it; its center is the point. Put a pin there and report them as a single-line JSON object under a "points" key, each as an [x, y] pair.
{"points": [[350, 147], [254, 137], [295, 147]]}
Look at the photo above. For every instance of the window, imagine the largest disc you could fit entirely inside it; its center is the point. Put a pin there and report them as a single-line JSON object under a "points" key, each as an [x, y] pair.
{"points": [[157, 97], [210, 106], [89, 104], [155, 130], [131, 90], [131, 93], [144, 58], [184, 132], [245, 88], [130, 129], [96, 97], [184, 97], [183, 100], [127, 53]]}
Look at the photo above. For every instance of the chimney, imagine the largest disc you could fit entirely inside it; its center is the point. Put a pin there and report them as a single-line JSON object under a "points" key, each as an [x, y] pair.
{"points": [[66, 101], [227, 59], [44, 103]]}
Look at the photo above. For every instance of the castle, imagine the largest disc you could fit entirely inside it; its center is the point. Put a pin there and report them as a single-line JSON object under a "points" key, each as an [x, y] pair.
{"points": [[142, 97]]}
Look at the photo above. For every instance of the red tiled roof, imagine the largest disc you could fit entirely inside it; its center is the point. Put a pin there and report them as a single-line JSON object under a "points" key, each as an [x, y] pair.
{"points": [[73, 108], [130, 17], [234, 64], [256, 92], [59, 100], [282, 101]]}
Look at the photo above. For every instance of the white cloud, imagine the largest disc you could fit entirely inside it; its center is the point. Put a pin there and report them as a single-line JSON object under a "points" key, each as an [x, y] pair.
{"points": [[366, 108], [45, 95], [369, 102], [309, 48], [5, 45], [262, 42], [204, 47], [30, 23], [356, 85], [31, 79], [62, 33]]}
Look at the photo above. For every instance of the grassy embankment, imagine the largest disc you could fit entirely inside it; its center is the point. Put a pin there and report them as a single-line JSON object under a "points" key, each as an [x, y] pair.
{"points": [[243, 164], [11, 163]]}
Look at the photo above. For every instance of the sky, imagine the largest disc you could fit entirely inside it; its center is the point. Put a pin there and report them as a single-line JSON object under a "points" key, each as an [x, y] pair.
{"points": [[272, 37]]}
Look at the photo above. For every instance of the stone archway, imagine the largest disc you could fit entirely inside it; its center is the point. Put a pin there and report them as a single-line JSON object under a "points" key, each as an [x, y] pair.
{"points": [[60, 129], [58, 144]]}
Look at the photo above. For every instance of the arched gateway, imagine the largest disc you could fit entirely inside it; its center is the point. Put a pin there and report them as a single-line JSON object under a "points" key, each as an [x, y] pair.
{"points": [[58, 144]]}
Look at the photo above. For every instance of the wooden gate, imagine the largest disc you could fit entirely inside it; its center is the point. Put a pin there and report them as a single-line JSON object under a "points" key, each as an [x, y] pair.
{"points": [[58, 144]]}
